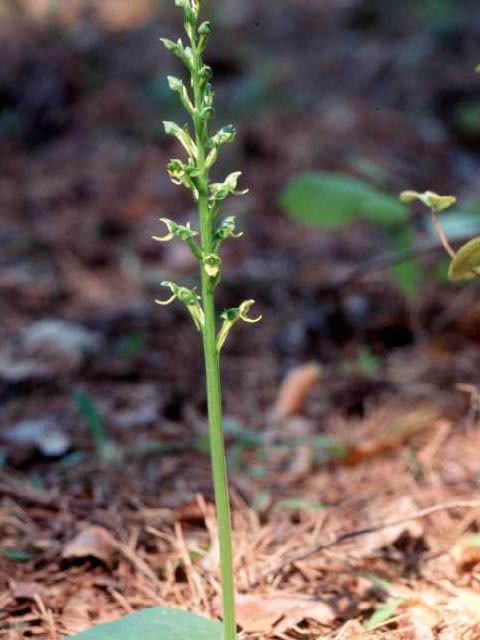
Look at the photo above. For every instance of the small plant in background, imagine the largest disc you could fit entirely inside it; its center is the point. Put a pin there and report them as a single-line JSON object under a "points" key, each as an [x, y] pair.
{"points": [[331, 200], [464, 263], [202, 151], [90, 414]]}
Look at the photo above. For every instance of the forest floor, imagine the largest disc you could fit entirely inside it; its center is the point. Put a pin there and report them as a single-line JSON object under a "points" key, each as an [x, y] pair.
{"points": [[351, 410]]}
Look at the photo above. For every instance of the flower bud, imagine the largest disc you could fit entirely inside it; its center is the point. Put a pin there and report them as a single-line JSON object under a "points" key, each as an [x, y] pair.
{"points": [[224, 136], [174, 83], [225, 230], [203, 31]]}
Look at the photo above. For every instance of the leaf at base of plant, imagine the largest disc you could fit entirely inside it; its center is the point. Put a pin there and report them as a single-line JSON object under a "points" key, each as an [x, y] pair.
{"points": [[158, 623]]}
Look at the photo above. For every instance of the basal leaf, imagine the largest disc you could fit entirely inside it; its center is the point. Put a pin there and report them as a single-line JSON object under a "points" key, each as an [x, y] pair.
{"points": [[466, 263], [323, 199], [156, 624]]}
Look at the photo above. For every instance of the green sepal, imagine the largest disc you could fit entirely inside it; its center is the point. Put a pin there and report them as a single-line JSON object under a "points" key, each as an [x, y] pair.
{"points": [[231, 317], [184, 53], [177, 85], [183, 136], [203, 31], [170, 45], [220, 190], [184, 175], [184, 232], [191, 9], [189, 298], [224, 136], [224, 231]]}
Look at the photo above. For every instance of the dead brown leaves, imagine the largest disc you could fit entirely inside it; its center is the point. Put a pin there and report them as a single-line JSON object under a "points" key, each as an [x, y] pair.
{"points": [[92, 541], [277, 613]]}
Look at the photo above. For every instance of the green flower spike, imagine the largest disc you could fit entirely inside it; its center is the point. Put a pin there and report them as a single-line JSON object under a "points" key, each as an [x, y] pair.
{"points": [[189, 298], [231, 317]]}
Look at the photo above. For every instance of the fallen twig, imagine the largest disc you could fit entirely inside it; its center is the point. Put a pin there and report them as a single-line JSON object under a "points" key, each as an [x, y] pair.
{"points": [[344, 537]]}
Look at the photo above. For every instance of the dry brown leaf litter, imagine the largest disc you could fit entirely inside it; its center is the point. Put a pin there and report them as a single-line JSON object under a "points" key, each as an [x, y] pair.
{"points": [[149, 557]]}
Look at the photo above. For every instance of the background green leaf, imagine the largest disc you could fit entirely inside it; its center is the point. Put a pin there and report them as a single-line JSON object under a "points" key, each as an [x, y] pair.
{"points": [[383, 209], [323, 199], [409, 275], [332, 200], [156, 624], [466, 263]]}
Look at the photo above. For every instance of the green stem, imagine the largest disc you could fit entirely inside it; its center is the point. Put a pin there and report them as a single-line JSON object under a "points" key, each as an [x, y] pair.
{"points": [[212, 369]]}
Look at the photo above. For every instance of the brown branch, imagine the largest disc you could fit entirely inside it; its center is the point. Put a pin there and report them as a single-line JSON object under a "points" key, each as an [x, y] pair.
{"points": [[344, 537]]}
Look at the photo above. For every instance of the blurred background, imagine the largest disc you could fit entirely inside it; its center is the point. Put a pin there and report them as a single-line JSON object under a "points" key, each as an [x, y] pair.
{"points": [[334, 97]]}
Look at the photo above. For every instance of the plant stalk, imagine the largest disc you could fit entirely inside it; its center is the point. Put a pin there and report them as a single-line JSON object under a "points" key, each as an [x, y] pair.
{"points": [[212, 370]]}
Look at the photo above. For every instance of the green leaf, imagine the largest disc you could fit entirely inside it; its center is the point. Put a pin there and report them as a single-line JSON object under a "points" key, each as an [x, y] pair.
{"points": [[156, 624], [130, 346], [86, 406], [323, 199], [466, 263], [332, 200], [182, 135], [297, 504], [408, 275], [17, 556], [383, 614], [429, 198], [383, 210]]}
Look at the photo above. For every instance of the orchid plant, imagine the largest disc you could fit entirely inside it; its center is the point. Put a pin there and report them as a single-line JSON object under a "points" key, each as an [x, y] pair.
{"points": [[202, 149]]}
